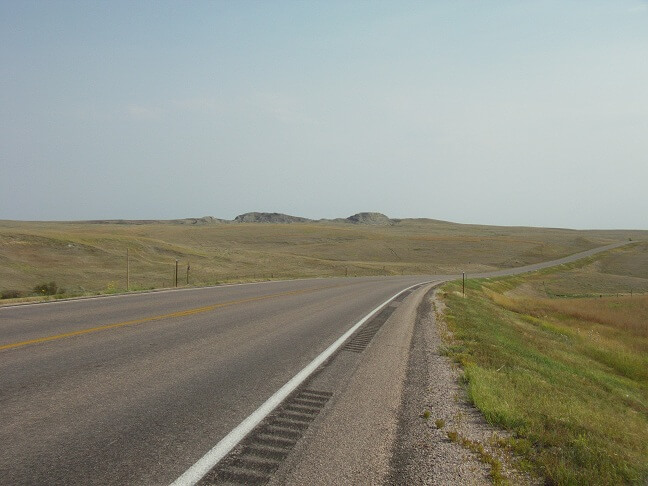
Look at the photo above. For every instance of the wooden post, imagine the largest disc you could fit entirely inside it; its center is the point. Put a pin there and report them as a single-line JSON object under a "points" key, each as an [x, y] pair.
{"points": [[188, 267], [176, 274], [127, 270], [463, 279]]}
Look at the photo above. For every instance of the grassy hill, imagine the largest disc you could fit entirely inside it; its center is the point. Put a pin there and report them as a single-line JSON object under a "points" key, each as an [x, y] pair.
{"points": [[87, 257]]}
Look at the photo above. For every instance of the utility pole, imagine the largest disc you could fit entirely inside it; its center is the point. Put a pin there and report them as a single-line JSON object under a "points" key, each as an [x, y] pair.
{"points": [[176, 274], [127, 270]]}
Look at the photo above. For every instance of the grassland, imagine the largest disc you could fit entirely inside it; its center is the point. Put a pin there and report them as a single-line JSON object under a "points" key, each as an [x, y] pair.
{"points": [[91, 257], [568, 374]]}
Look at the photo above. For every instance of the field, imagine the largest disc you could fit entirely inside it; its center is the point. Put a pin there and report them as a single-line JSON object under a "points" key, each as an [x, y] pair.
{"points": [[91, 257], [560, 359]]}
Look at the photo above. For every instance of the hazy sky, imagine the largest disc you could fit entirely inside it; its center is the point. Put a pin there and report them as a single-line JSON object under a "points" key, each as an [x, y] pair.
{"points": [[509, 112]]}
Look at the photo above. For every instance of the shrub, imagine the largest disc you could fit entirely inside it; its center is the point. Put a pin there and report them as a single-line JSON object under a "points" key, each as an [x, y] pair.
{"points": [[12, 294], [47, 289]]}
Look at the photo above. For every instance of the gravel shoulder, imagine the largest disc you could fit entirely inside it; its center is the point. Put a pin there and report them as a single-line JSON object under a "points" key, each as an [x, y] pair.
{"points": [[435, 406]]}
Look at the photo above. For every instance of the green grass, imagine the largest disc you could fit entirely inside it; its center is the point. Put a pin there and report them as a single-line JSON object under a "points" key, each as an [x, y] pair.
{"points": [[569, 377]]}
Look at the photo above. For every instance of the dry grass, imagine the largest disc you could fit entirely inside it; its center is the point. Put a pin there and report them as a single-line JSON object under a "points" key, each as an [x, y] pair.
{"points": [[622, 271], [629, 314], [594, 290], [89, 257]]}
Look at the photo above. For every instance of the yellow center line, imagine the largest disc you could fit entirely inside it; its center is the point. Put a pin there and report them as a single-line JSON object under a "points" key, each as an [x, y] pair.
{"points": [[189, 312]]}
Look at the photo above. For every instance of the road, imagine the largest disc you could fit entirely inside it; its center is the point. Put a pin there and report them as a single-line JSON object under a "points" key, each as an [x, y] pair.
{"points": [[134, 389], [141, 402]]}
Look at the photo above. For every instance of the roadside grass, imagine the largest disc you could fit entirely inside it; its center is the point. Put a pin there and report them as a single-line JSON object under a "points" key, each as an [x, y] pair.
{"points": [[568, 377]]}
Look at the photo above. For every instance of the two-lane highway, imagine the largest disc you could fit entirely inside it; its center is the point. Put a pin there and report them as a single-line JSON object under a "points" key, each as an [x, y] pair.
{"points": [[136, 388]]}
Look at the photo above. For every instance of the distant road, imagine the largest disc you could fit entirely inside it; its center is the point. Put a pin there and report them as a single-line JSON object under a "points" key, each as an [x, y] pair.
{"points": [[134, 389]]}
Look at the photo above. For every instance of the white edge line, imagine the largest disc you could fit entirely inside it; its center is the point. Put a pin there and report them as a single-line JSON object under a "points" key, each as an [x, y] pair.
{"points": [[206, 463], [136, 293]]}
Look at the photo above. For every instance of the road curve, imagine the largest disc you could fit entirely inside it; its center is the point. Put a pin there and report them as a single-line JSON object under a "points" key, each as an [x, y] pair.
{"points": [[157, 379], [136, 388]]}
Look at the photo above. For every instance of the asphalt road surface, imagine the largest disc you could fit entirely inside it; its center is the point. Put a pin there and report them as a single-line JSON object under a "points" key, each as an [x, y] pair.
{"points": [[134, 389]]}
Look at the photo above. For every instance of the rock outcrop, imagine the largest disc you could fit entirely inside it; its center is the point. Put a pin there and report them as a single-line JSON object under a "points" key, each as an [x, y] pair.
{"points": [[370, 218], [269, 218]]}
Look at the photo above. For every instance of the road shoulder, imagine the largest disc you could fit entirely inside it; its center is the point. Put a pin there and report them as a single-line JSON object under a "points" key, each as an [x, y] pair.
{"points": [[353, 441]]}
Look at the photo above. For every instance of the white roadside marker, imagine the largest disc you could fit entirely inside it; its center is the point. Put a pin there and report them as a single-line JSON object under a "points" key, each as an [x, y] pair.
{"points": [[206, 463]]}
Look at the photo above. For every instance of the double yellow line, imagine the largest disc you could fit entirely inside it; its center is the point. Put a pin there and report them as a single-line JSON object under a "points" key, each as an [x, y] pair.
{"points": [[172, 315]]}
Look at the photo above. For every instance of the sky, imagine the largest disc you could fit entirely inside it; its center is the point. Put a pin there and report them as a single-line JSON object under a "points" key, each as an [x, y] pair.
{"points": [[529, 113]]}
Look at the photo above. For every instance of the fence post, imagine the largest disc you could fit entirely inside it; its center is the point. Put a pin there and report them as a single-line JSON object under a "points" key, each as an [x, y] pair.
{"points": [[127, 270]]}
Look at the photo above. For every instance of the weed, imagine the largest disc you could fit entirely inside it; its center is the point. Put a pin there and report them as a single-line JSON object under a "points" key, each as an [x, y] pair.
{"points": [[439, 423], [484, 456], [111, 288], [459, 417], [426, 414]]}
